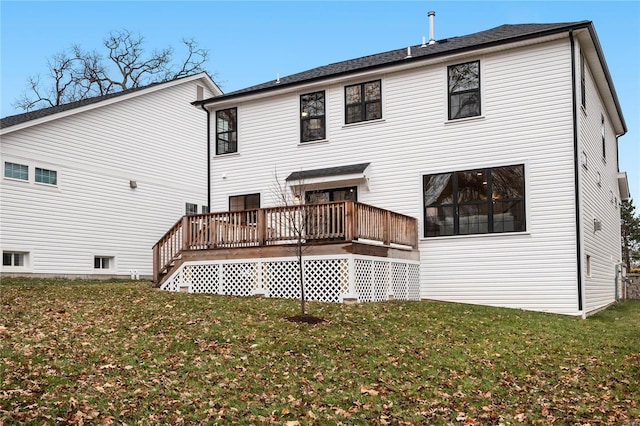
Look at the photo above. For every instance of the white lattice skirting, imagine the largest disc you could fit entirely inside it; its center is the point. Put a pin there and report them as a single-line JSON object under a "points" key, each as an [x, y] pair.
{"points": [[327, 278]]}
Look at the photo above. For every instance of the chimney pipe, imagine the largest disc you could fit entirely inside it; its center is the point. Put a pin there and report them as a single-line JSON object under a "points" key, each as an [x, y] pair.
{"points": [[431, 14]]}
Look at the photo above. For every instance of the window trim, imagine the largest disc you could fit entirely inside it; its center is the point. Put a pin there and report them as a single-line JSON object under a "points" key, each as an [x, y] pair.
{"points": [[478, 90], [489, 202], [229, 132], [322, 118], [363, 103]]}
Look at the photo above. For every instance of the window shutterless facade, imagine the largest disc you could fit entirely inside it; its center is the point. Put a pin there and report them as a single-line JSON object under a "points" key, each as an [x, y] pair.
{"points": [[312, 117], [16, 171], [50, 177], [481, 201], [363, 102], [464, 90], [226, 131]]}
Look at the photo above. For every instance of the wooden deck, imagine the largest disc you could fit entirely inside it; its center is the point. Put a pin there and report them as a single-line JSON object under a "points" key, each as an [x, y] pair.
{"points": [[270, 232]]}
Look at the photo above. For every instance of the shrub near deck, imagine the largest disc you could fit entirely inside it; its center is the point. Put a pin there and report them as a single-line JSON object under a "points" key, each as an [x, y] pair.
{"points": [[88, 352]]}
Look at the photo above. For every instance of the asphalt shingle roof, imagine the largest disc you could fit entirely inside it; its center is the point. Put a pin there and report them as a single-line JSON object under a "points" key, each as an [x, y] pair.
{"points": [[328, 171], [498, 35], [13, 120]]}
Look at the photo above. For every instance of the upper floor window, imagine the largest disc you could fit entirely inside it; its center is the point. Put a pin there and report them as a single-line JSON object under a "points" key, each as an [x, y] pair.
{"points": [[583, 86], [50, 177], [226, 131], [312, 117], [363, 102], [16, 171], [190, 208], [464, 90], [475, 202], [604, 139]]}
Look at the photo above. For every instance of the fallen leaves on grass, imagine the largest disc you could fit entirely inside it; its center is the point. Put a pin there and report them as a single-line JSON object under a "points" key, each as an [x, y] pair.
{"points": [[113, 353]]}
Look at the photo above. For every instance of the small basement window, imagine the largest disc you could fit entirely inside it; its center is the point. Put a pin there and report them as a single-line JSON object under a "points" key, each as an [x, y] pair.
{"points": [[102, 262], [13, 258]]}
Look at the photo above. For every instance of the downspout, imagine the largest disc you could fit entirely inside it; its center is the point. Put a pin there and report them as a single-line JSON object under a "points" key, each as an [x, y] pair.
{"points": [[576, 171], [208, 157]]}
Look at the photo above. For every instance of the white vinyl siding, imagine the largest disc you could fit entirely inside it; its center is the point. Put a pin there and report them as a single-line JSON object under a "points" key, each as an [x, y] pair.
{"points": [[526, 119], [600, 198], [157, 139]]}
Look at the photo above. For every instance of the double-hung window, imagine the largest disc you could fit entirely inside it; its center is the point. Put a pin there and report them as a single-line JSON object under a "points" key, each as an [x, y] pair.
{"points": [[464, 90], [226, 131], [363, 102], [312, 117], [477, 201], [16, 171], [49, 177]]}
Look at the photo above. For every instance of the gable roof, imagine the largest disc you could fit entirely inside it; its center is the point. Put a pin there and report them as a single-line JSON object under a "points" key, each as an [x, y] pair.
{"points": [[499, 35], [14, 120]]}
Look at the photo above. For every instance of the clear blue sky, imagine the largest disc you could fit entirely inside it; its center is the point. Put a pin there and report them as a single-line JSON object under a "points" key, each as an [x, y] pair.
{"points": [[250, 42]]}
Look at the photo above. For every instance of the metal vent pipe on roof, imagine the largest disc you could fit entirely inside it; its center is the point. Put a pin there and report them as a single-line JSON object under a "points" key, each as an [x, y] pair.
{"points": [[431, 14]]}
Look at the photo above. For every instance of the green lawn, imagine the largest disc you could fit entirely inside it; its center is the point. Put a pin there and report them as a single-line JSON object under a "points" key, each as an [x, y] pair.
{"points": [[121, 352]]}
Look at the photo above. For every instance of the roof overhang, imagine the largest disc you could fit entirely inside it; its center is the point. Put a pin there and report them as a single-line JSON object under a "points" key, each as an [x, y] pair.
{"points": [[623, 186], [592, 51], [203, 77], [352, 174]]}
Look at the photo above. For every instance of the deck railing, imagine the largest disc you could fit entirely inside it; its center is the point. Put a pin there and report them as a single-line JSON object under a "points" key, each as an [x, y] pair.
{"points": [[312, 223]]}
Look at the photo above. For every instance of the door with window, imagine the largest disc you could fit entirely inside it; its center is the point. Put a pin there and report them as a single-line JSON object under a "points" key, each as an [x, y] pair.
{"points": [[327, 222]]}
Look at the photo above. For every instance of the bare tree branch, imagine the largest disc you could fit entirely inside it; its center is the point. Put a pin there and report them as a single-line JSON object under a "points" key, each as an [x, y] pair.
{"points": [[76, 74]]}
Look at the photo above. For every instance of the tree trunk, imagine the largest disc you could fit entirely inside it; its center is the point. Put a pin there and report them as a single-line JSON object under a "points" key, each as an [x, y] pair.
{"points": [[299, 250]]}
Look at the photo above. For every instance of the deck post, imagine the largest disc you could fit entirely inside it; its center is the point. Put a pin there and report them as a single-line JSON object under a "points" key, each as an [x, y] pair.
{"points": [[351, 296], [186, 232], [213, 231], [350, 221], [262, 227], [156, 263], [386, 230]]}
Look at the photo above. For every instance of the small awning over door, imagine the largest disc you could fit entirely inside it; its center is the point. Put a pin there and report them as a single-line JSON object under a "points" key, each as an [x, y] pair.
{"points": [[352, 174]]}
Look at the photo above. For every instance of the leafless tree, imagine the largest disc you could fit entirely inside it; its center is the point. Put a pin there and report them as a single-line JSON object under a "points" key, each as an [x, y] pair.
{"points": [[296, 217], [76, 74]]}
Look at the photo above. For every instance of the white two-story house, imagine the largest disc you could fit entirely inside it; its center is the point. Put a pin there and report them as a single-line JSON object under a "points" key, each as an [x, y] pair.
{"points": [[502, 145], [87, 188]]}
